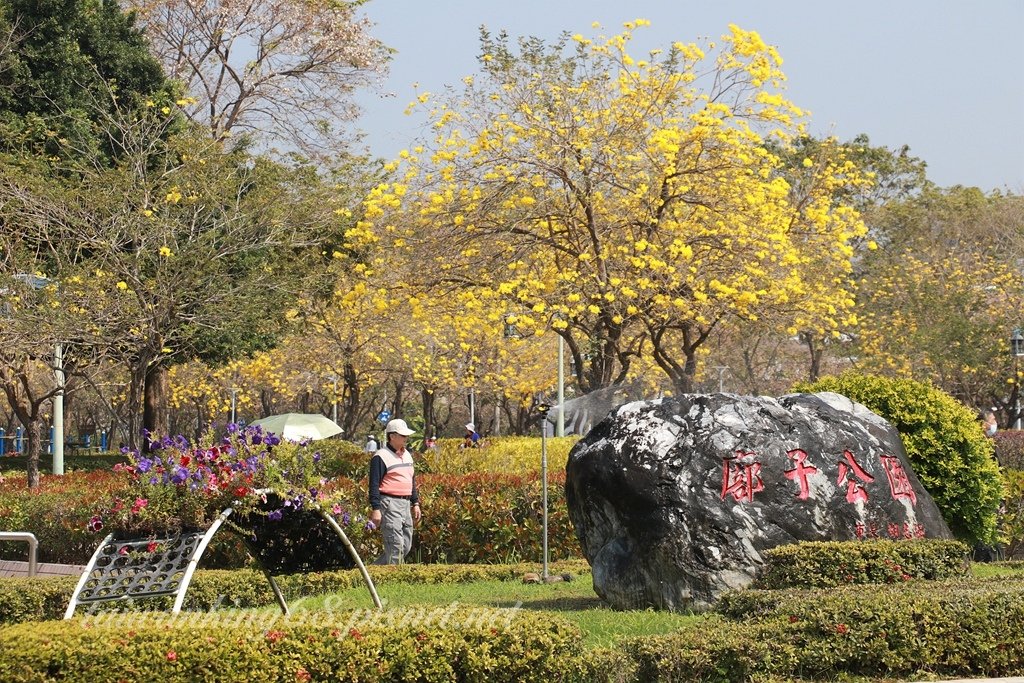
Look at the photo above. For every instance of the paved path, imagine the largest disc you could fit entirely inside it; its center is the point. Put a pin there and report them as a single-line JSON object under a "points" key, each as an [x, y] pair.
{"points": [[14, 568]]}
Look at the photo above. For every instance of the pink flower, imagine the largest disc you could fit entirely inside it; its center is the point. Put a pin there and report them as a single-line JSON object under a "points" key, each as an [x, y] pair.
{"points": [[172, 656], [123, 550], [151, 547]]}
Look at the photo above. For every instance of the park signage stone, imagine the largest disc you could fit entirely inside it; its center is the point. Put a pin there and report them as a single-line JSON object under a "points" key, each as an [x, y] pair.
{"points": [[675, 500]]}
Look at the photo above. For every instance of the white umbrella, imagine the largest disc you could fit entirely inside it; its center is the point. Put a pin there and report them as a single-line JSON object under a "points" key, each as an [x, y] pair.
{"points": [[298, 426]]}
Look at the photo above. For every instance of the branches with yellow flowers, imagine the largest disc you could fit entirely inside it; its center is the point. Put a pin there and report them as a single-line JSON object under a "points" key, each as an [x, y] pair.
{"points": [[629, 204]]}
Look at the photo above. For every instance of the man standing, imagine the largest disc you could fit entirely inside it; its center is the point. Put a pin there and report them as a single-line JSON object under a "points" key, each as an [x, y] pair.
{"points": [[394, 500]]}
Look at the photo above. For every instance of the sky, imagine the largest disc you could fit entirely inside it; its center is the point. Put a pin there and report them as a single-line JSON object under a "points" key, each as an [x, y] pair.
{"points": [[945, 77]]}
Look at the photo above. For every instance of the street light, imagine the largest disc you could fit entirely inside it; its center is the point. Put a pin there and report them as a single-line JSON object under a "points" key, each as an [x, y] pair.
{"points": [[334, 403], [721, 371], [1017, 347], [543, 409]]}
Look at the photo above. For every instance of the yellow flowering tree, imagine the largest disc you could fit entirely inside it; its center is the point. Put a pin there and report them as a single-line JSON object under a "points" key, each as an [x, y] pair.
{"points": [[942, 294], [631, 205]]}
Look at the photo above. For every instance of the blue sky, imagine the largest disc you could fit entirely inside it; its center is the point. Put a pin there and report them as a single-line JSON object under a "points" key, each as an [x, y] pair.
{"points": [[942, 76]]}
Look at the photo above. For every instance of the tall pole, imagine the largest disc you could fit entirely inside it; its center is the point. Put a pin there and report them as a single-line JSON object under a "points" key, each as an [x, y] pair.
{"points": [[721, 371], [472, 407], [58, 411], [1017, 348], [234, 391], [334, 406], [1016, 384], [544, 490], [561, 388]]}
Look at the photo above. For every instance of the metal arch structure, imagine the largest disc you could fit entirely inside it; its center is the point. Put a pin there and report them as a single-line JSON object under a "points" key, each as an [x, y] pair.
{"points": [[122, 570]]}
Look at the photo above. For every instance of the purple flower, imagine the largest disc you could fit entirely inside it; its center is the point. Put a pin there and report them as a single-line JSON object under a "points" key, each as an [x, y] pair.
{"points": [[317, 456], [232, 428], [275, 515], [370, 526], [346, 519], [144, 465], [180, 475]]}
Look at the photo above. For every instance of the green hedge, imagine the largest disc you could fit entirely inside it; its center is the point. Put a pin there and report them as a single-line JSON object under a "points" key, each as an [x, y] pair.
{"points": [[951, 629], [436, 644], [40, 599], [945, 444], [834, 563], [1009, 448], [489, 518], [72, 463]]}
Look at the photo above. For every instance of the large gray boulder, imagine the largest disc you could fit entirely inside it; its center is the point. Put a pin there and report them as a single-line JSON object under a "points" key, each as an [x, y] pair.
{"points": [[675, 500]]}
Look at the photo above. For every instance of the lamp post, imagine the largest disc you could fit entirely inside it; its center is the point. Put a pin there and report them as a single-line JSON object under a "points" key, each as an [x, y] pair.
{"points": [[1017, 347], [721, 371], [334, 396], [543, 409], [560, 426]]}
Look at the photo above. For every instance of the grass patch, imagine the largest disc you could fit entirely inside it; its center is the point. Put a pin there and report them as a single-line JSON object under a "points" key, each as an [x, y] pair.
{"points": [[575, 601], [1009, 569]]}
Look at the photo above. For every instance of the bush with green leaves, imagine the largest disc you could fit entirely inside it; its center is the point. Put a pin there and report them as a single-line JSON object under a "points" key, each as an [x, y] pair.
{"points": [[945, 444], [824, 564], [1009, 447]]}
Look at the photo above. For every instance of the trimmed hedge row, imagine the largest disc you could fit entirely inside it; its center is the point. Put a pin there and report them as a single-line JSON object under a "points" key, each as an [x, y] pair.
{"points": [[23, 599], [482, 644], [72, 463], [489, 518], [828, 564], [949, 628]]}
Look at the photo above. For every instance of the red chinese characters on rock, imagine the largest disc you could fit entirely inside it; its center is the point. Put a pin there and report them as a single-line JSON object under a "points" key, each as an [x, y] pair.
{"points": [[855, 484], [899, 483], [741, 480], [800, 473], [741, 477]]}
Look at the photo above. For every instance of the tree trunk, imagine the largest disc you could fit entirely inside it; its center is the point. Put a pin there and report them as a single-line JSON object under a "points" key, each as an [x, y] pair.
{"points": [[34, 433], [154, 412], [351, 395], [429, 420]]}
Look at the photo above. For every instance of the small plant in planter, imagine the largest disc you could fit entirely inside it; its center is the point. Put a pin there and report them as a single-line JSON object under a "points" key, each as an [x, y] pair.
{"points": [[274, 487]]}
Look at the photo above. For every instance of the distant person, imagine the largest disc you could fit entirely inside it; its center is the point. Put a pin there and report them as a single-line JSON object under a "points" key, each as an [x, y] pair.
{"points": [[394, 499], [431, 443], [371, 444], [470, 439], [990, 424]]}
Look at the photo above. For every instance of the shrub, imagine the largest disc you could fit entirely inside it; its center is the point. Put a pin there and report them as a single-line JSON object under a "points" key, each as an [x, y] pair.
{"points": [[944, 442], [40, 599], [490, 518], [827, 564], [440, 644], [1009, 447], [72, 463], [950, 629], [343, 458], [498, 455], [1011, 527]]}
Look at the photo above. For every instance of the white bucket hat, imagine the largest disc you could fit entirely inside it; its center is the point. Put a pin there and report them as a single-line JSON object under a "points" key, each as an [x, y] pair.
{"points": [[398, 426], [471, 427]]}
